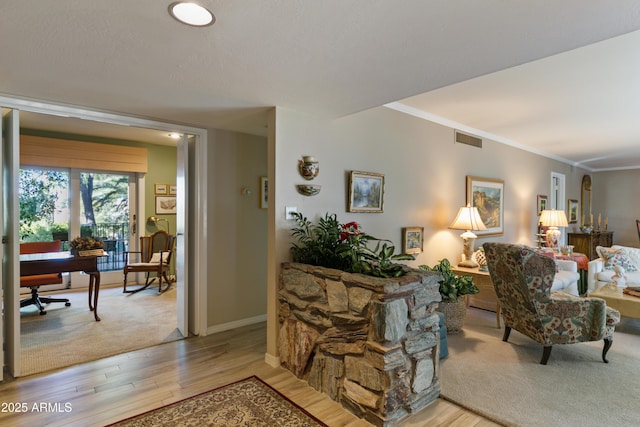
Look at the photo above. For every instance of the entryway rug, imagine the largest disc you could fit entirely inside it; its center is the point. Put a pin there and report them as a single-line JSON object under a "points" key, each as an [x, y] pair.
{"points": [[506, 383], [249, 402]]}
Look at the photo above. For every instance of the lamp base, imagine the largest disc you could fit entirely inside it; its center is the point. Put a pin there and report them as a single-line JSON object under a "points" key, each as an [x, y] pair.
{"points": [[553, 238], [468, 240]]}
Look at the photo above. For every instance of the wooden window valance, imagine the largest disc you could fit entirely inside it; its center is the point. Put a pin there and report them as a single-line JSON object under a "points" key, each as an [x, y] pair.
{"points": [[64, 153]]}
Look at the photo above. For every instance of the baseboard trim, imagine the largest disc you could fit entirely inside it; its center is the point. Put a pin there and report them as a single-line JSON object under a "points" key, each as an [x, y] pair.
{"points": [[272, 360], [236, 324]]}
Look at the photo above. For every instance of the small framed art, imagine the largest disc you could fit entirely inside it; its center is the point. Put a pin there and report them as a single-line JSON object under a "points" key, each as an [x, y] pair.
{"points": [[160, 188], [412, 240], [542, 203], [366, 192], [573, 211], [165, 205]]}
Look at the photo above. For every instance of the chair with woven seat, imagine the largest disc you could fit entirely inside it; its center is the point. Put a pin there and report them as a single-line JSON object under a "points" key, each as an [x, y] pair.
{"points": [[522, 279], [154, 256]]}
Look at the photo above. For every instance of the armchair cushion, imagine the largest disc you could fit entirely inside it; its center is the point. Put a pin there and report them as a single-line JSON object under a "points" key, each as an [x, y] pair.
{"points": [[155, 258]]}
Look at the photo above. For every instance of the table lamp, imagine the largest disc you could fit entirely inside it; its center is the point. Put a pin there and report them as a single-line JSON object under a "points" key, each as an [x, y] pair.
{"points": [[553, 219], [468, 219], [155, 220]]}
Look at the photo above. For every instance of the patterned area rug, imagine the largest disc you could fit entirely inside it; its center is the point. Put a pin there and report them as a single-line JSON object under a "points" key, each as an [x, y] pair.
{"points": [[249, 402]]}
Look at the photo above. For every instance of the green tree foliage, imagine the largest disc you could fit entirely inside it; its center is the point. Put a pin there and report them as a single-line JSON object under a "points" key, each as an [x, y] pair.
{"points": [[38, 193], [104, 198]]}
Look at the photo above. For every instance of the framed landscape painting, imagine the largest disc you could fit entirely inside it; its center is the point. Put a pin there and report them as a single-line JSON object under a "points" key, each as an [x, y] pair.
{"points": [[542, 203], [573, 211], [412, 240], [366, 192], [488, 196]]}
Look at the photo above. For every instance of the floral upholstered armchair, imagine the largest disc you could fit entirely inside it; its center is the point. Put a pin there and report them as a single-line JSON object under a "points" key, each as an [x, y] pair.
{"points": [[522, 279]]}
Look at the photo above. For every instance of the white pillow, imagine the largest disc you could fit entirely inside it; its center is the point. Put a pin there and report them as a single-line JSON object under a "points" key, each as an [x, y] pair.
{"points": [[155, 258]]}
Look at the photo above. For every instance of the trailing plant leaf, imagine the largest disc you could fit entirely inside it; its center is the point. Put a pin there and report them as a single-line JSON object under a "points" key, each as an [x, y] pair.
{"points": [[451, 285]]}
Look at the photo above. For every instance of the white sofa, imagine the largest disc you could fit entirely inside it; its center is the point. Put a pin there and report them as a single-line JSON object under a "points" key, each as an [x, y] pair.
{"points": [[566, 278], [601, 270]]}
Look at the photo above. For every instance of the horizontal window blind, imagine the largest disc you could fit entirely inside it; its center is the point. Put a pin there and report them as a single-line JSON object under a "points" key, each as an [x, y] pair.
{"points": [[64, 153]]}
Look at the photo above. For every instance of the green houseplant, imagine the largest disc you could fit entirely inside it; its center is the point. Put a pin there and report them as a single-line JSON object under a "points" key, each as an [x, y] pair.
{"points": [[345, 247], [452, 288]]}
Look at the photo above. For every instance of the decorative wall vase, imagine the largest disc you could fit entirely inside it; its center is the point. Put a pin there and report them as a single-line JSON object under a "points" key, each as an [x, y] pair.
{"points": [[308, 167], [308, 190]]}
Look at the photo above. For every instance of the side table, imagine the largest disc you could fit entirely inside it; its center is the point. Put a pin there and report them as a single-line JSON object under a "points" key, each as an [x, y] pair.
{"points": [[486, 297], [583, 266]]}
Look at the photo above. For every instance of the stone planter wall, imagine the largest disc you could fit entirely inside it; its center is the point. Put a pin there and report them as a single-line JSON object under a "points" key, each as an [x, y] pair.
{"points": [[371, 344]]}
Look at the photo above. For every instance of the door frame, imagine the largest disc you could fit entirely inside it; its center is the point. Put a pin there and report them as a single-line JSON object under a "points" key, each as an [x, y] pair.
{"points": [[197, 188]]}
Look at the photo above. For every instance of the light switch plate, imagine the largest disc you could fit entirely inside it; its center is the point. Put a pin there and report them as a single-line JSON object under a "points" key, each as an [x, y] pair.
{"points": [[288, 211]]}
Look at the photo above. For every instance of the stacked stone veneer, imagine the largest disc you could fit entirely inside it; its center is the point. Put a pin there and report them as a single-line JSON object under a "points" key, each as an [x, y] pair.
{"points": [[371, 344]]}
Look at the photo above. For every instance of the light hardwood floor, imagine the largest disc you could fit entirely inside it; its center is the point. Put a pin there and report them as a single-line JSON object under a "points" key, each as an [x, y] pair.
{"points": [[105, 391]]}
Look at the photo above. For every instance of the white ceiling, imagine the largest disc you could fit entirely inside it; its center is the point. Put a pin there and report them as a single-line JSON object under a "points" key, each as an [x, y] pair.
{"points": [[337, 57]]}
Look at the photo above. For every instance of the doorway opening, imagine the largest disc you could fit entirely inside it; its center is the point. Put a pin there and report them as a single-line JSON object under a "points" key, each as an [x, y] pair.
{"points": [[188, 307]]}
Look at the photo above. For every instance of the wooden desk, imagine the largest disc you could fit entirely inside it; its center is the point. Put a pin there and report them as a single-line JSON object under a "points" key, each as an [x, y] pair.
{"points": [[486, 298], [64, 262]]}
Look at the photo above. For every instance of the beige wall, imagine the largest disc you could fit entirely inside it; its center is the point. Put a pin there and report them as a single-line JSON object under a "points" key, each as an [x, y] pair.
{"points": [[616, 195], [237, 226], [424, 179]]}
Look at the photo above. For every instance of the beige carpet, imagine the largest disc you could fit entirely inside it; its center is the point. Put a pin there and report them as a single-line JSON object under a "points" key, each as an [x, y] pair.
{"points": [[67, 336], [250, 403], [506, 383]]}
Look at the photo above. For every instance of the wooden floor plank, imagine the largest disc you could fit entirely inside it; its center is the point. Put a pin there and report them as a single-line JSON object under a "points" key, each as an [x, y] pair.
{"points": [[118, 387]]}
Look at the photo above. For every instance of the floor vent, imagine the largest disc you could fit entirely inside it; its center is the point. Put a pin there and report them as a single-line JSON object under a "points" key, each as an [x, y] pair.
{"points": [[463, 138]]}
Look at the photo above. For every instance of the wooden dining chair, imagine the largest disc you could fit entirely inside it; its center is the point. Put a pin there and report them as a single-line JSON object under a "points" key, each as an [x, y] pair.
{"points": [[154, 256]]}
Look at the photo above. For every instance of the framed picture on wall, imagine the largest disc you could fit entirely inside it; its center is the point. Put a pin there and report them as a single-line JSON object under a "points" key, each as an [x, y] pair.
{"points": [[173, 189], [542, 203], [412, 240], [488, 196], [160, 188], [573, 211], [165, 205], [366, 192]]}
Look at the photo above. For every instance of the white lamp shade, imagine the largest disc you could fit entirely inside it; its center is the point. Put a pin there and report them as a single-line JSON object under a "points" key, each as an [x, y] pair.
{"points": [[468, 218], [553, 218]]}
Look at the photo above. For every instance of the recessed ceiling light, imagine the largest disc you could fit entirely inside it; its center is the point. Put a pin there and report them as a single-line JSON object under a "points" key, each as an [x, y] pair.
{"points": [[174, 135], [191, 14]]}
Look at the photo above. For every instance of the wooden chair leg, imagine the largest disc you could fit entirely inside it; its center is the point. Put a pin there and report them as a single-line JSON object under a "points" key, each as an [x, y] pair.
{"points": [[607, 346], [545, 354], [507, 331]]}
